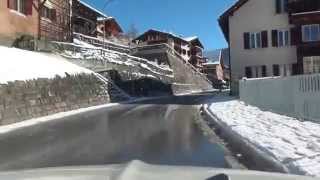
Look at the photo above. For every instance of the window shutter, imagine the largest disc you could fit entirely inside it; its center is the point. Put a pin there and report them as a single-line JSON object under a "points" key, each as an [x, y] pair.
{"points": [[29, 7], [274, 38], [246, 38], [53, 14], [264, 71], [278, 6], [264, 35], [296, 35]]}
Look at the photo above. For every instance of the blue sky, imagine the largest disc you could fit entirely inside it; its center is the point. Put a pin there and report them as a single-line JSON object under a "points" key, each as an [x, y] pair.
{"points": [[183, 17]]}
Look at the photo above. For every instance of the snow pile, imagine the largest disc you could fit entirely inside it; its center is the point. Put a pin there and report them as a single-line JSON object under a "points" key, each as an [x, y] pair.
{"points": [[17, 64], [294, 143]]}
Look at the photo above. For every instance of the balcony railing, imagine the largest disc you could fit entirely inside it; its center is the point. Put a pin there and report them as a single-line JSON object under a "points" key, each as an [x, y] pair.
{"points": [[302, 6]]}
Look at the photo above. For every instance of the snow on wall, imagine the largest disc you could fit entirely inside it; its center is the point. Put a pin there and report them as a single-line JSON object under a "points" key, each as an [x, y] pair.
{"points": [[97, 59], [17, 64], [294, 143]]}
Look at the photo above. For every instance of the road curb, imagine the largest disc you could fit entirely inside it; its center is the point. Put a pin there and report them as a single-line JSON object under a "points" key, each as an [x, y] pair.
{"points": [[253, 157]]}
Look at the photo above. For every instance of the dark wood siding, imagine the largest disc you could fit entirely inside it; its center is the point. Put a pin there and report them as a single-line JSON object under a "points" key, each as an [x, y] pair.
{"points": [[58, 27], [296, 35]]}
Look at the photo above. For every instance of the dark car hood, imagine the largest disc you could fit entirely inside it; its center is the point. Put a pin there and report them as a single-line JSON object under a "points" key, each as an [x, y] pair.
{"points": [[137, 170]]}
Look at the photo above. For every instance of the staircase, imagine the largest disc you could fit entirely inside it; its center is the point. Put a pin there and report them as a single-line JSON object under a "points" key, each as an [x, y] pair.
{"points": [[116, 94], [186, 76]]}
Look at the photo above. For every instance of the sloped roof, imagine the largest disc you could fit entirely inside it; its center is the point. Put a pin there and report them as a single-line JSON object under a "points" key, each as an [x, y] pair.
{"points": [[193, 39], [158, 31], [224, 18], [94, 9], [110, 19]]}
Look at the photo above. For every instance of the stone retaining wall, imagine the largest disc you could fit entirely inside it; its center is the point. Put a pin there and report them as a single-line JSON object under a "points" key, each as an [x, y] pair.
{"points": [[22, 100]]}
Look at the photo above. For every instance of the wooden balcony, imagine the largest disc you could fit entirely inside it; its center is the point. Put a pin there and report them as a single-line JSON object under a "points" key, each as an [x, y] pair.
{"points": [[308, 49], [305, 18], [304, 11], [158, 41]]}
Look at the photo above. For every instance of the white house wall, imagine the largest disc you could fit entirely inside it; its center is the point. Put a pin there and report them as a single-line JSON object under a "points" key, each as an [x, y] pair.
{"points": [[257, 16]]}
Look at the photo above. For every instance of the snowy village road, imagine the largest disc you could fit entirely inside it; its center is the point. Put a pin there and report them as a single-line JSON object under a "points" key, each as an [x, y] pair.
{"points": [[158, 131]]}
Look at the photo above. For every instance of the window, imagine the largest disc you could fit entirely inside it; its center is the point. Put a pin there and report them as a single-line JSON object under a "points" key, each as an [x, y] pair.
{"points": [[248, 72], [252, 41], [22, 6], [45, 12], [264, 71], [276, 70], [281, 6], [258, 40], [311, 32], [283, 38], [311, 64], [255, 40]]}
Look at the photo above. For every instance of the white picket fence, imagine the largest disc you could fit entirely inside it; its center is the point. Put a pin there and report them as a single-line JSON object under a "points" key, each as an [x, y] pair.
{"points": [[297, 96]]}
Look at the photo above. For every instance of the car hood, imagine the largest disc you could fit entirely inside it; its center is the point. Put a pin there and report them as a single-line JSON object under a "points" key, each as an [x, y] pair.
{"points": [[137, 170]]}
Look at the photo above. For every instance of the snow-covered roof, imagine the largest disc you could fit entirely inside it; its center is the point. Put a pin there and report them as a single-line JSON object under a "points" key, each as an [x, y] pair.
{"points": [[92, 8], [104, 18], [191, 38], [164, 32]]}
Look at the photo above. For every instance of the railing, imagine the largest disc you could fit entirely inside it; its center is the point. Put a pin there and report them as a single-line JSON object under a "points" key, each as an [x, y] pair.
{"points": [[300, 6], [102, 43], [123, 56], [173, 52]]}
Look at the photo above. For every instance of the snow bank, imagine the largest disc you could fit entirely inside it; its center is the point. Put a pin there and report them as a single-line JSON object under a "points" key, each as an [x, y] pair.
{"points": [[17, 64], [294, 143]]}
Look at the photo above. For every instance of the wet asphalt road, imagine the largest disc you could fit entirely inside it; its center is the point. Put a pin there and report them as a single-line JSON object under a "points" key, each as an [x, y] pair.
{"points": [[157, 131]]}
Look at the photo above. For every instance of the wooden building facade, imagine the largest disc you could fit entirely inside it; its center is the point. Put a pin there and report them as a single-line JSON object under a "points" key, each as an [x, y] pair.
{"points": [[55, 20], [24, 21], [109, 27], [85, 18], [190, 49], [305, 16]]}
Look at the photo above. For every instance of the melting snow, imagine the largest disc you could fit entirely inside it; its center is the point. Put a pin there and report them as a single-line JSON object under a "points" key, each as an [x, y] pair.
{"points": [[294, 143]]}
